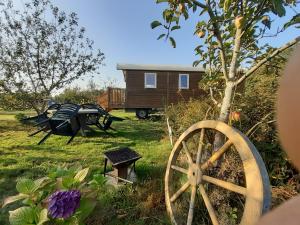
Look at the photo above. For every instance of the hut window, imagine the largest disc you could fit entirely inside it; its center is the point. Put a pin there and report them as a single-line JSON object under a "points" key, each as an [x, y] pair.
{"points": [[183, 81], [150, 80]]}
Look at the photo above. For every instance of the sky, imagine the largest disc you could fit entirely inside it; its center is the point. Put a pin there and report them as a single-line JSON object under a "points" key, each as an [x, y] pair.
{"points": [[121, 29]]}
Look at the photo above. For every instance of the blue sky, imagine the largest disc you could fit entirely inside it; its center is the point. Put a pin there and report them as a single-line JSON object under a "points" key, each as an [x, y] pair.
{"points": [[121, 29]]}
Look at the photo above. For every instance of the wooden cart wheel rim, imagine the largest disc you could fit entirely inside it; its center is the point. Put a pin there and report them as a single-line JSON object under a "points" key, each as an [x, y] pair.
{"points": [[258, 194]]}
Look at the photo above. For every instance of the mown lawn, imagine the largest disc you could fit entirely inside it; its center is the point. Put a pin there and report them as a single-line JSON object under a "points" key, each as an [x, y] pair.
{"points": [[20, 156]]}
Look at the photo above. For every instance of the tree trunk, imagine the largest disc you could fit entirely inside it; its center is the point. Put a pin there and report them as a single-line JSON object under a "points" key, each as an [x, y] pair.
{"points": [[224, 112], [226, 102]]}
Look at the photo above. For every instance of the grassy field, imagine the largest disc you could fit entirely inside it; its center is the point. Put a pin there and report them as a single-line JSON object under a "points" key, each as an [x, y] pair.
{"points": [[20, 156]]}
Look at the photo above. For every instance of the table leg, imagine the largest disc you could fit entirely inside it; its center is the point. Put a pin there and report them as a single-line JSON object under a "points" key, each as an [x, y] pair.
{"points": [[105, 164]]}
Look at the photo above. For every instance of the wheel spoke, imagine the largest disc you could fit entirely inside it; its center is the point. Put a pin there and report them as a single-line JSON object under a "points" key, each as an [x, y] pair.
{"points": [[182, 170], [226, 185], [199, 153], [187, 152], [209, 207], [216, 155], [192, 206], [180, 191]]}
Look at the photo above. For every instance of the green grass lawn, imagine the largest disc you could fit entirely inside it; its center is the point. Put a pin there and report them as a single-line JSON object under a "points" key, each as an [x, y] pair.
{"points": [[20, 156]]}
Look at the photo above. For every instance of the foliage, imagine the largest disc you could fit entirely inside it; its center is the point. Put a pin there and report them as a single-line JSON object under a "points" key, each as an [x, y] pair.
{"points": [[79, 95], [14, 101], [184, 114], [257, 105], [35, 196], [231, 34], [43, 49], [20, 116]]}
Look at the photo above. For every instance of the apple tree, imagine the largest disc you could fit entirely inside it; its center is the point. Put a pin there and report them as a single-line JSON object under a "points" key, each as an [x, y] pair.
{"points": [[230, 34], [42, 50]]}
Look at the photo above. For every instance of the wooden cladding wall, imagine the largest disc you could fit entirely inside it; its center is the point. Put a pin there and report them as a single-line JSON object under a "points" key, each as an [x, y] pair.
{"points": [[116, 98], [166, 92]]}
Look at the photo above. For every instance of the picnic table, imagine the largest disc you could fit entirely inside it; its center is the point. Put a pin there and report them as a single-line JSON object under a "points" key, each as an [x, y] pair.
{"points": [[68, 119], [83, 115]]}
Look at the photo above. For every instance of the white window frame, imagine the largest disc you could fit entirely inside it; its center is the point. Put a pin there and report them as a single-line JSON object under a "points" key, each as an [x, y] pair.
{"points": [[150, 86], [179, 81]]}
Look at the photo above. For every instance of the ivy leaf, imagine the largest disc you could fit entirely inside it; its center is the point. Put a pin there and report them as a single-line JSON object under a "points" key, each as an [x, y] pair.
{"points": [[81, 175], [161, 36], [172, 41], [155, 24], [175, 28], [22, 216]]}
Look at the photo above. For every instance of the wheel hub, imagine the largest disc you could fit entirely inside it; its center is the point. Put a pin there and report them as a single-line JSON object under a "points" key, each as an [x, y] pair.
{"points": [[195, 174]]}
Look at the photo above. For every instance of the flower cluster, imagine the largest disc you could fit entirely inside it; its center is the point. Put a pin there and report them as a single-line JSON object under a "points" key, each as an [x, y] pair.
{"points": [[63, 204]]}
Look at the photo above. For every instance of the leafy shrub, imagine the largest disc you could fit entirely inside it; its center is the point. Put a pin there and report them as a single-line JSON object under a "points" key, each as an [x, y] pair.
{"points": [[184, 114], [20, 117], [63, 197], [257, 105]]}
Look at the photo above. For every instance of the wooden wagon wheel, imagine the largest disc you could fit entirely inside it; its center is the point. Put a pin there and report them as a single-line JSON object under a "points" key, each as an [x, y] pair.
{"points": [[193, 160]]}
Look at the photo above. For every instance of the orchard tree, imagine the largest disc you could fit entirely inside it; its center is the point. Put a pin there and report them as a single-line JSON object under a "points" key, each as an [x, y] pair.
{"points": [[230, 36], [42, 50]]}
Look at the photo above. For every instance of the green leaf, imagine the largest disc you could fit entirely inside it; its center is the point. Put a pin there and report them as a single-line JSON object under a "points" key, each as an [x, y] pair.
{"points": [[196, 63], [43, 217], [161, 36], [22, 216], [278, 6], [160, 1], [175, 19], [293, 21], [155, 24], [68, 181], [226, 5], [172, 41], [175, 28], [81, 175], [26, 186], [12, 199], [42, 182], [86, 207]]}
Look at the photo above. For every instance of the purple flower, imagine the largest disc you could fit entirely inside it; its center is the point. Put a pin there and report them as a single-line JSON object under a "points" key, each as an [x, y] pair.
{"points": [[63, 204]]}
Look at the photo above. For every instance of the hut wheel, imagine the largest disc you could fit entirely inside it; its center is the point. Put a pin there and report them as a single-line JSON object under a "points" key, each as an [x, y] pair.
{"points": [[142, 113], [226, 186]]}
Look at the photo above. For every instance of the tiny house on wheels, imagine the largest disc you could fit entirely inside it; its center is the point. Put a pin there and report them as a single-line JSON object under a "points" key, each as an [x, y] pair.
{"points": [[153, 87]]}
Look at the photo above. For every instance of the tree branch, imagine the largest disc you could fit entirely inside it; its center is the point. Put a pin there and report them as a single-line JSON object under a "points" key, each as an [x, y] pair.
{"points": [[217, 35], [266, 59], [235, 54], [212, 96]]}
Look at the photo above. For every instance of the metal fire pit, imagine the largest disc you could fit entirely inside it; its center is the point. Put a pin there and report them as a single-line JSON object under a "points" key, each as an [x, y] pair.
{"points": [[121, 160]]}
